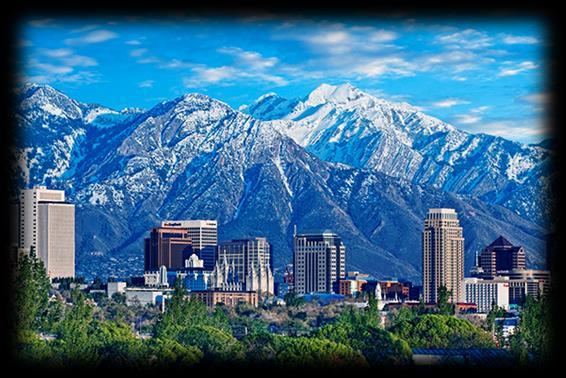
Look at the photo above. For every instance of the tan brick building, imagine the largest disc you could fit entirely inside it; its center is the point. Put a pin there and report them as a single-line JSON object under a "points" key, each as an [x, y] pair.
{"points": [[443, 254], [229, 298]]}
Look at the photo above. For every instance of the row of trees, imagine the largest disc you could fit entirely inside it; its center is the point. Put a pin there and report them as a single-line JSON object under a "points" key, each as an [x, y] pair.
{"points": [[85, 332]]}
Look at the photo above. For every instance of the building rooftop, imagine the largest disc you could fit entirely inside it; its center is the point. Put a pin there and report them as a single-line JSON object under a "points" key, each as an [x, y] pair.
{"points": [[500, 242], [472, 356]]}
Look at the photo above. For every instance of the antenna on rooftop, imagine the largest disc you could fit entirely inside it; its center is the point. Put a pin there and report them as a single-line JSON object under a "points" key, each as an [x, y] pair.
{"points": [[294, 230]]}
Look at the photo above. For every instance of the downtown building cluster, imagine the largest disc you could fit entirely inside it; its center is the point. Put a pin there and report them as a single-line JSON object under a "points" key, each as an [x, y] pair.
{"points": [[241, 270], [499, 278], [229, 272]]}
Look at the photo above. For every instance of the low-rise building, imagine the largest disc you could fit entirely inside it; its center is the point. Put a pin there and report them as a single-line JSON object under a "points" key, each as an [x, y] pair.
{"points": [[115, 287], [350, 287], [542, 276], [228, 298], [485, 293], [393, 289], [508, 325], [145, 295]]}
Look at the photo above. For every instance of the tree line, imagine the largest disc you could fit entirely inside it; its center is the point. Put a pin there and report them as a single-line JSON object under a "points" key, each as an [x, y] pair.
{"points": [[80, 331]]}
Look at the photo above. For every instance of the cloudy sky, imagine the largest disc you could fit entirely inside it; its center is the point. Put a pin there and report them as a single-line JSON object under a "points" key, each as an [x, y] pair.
{"points": [[480, 75]]}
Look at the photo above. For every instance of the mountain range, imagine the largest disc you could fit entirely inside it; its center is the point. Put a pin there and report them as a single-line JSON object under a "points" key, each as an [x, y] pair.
{"points": [[337, 159]]}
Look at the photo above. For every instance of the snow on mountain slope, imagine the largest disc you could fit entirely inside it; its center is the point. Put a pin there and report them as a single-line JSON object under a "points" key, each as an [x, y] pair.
{"points": [[194, 157], [344, 124]]}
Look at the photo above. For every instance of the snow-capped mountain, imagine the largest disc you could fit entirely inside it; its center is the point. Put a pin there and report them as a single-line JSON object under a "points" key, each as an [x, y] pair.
{"points": [[344, 124], [194, 157]]}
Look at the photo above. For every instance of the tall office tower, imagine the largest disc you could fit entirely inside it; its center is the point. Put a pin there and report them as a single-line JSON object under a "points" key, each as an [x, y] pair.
{"points": [[251, 261], [443, 254], [167, 246], [500, 256], [47, 224], [319, 262], [204, 235]]}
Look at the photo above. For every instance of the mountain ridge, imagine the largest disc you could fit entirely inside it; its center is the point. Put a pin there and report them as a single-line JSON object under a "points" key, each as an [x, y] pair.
{"points": [[196, 157], [344, 124]]}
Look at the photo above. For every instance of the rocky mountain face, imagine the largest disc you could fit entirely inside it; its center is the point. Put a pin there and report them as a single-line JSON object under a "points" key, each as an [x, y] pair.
{"points": [[344, 124], [196, 158]]}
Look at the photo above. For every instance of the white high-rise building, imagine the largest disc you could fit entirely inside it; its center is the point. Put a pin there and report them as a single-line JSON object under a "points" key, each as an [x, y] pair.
{"points": [[486, 293], [319, 262], [204, 236], [47, 223], [443, 254]]}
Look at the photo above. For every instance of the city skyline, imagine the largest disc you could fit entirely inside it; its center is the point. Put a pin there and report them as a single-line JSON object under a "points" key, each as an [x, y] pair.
{"points": [[294, 190], [480, 76]]}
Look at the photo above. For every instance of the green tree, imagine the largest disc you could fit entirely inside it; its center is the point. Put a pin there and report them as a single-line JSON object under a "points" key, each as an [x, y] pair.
{"points": [[32, 349], [497, 328], [31, 294], [316, 352], [293, 300], [378, 346], [261, 346], [444, 307], [220, 318], [495, 312], [442, 331], [533, 334], [54, 315], [73, 342], [217, 345], [170, 353], [115, 342]]}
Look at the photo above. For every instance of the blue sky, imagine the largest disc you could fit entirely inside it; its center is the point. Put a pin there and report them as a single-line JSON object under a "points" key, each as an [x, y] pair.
{"points": [[479, 75]]}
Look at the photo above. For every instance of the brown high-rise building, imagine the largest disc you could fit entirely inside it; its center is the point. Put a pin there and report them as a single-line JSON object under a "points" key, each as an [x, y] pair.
{"points": [[501, 256], [203, 234], [168, 246], [443, 254]]}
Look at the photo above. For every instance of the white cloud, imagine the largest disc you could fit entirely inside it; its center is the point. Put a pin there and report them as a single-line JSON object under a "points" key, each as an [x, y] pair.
{"points": [[469, 39], [514, 130], [83, 77], [84, 29], [328, 38], [382, 66], [96, 36], [227, 75], [519, 40], [212, 75], [248, 65], [176, 63], [515, 69], [79, 61], [251, 59], [50, 68], [467, 119], [133, 42], [138, 52], [57, 53], [69, 58], [449, 102], [381, 36], [480, 109], [146, 84], [149, 60]]}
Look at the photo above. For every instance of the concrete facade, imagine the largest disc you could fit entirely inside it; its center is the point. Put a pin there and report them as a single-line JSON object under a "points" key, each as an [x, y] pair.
{"points": [[443, 254]]}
